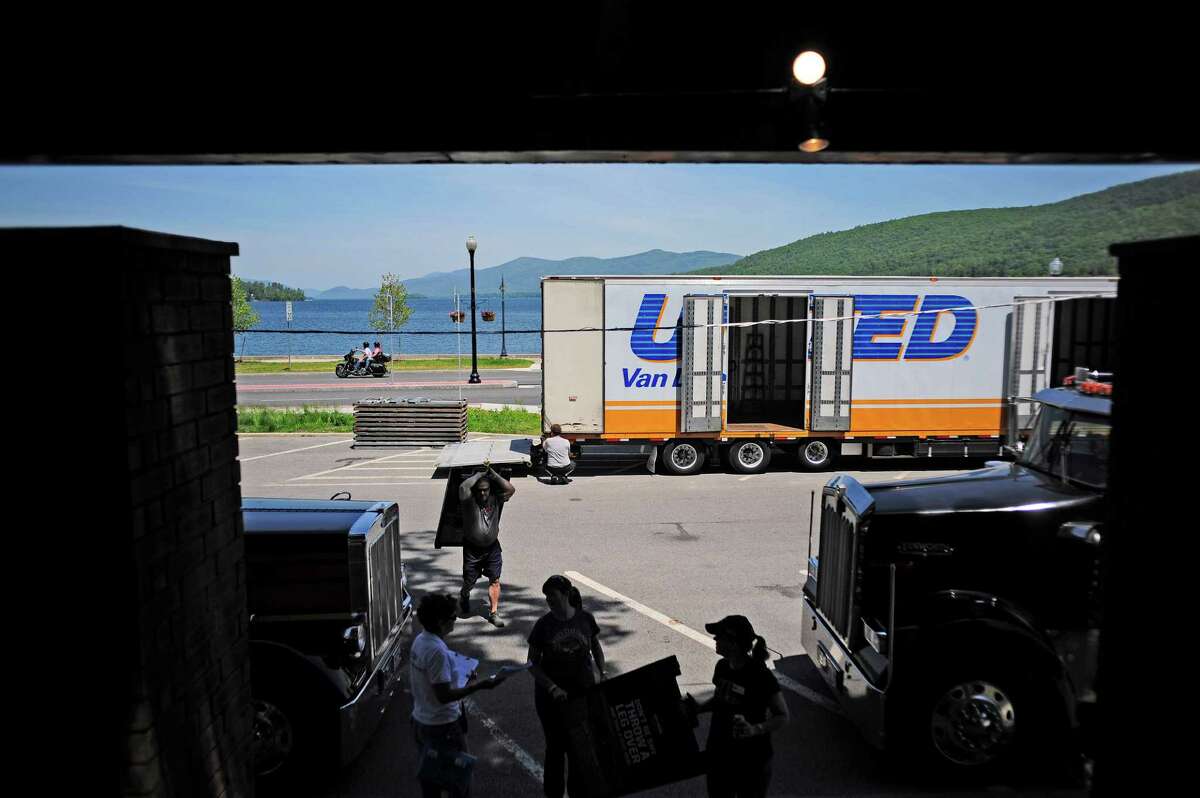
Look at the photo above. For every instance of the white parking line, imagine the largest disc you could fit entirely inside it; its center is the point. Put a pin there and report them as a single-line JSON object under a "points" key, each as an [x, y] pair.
{"points": [[394, 468], [319, 485], [290, 451], [507, 743], [355, 466], [354, 478], [704, 639]]}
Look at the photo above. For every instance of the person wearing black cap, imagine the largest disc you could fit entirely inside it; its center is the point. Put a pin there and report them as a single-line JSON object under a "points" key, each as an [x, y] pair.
{"points": [[564, 649], [747, 706]]}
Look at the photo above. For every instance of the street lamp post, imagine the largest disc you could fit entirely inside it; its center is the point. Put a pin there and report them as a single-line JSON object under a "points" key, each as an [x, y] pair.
{"points": [[503, 348], [474, 378]]}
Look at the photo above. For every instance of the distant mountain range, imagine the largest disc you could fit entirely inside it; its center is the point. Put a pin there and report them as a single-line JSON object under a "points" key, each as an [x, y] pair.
{"points": [[341, 292], [1016, 242], [524, 275]]}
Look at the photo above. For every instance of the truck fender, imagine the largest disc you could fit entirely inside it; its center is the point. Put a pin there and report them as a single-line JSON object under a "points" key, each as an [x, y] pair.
{"points": [[958, 623], [276, 661]]}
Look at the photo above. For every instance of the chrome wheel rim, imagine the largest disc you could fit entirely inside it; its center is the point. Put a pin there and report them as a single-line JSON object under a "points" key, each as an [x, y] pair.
{"points": [[816, 452], [274, 737], [973, 723], [751, 455], [684, 456]]}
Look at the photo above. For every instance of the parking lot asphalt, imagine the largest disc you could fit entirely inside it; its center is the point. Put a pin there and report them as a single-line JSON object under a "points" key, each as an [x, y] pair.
{"points": [[655, 558]]}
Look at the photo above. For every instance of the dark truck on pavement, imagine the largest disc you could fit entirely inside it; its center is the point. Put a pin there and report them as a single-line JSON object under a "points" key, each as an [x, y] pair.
{"points": [[329, 609], [956, 618]]}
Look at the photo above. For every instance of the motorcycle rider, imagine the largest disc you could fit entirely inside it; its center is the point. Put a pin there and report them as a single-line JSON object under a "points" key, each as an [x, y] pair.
{"points": [[363, 363]]}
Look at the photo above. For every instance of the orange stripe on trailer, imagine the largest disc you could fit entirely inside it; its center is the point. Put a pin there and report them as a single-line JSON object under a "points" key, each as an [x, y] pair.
{"points": [[926, 421], [641, 422], [639, 403], [857, 402]]}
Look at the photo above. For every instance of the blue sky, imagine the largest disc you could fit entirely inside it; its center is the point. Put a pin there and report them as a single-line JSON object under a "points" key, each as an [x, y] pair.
{"points": [[320, 226]]}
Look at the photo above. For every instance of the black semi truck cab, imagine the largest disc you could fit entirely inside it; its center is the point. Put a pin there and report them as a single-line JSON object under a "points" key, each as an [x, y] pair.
{"points": [[329, 614], [958, 616]]}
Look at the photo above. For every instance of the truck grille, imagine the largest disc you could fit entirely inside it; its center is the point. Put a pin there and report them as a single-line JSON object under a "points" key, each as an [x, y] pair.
{"points": [[835, 578], [386, 593]]}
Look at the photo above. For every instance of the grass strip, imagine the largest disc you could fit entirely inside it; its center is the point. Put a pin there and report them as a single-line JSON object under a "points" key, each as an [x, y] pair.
{"points": [[308, 419], [423, 364], [511, 421]]}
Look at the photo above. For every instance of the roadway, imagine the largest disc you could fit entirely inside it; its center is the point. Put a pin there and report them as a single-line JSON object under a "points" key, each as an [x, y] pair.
{"points": [[320, 389], [655, 558]]}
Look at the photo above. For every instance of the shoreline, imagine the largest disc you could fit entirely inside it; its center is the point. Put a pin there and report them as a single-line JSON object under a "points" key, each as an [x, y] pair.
{"points": [[317, 358]]}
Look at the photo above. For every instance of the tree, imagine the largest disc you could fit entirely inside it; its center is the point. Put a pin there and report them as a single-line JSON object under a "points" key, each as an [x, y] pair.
{"points": [[391, 310], [244, 314]]}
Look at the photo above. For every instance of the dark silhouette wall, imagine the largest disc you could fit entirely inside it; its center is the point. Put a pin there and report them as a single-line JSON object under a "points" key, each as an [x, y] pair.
{"points": [[158, 553]]}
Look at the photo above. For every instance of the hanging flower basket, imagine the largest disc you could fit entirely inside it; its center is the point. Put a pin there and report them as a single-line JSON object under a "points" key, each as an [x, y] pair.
{"points": [[457, 315], [488, 315]]}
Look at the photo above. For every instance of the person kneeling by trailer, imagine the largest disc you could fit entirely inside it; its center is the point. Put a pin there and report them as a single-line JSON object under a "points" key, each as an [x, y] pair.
{"points": [[558, 456]]}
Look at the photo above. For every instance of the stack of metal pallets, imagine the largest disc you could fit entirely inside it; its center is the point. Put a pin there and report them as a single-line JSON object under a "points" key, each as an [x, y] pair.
{"points": [[381, 423]]}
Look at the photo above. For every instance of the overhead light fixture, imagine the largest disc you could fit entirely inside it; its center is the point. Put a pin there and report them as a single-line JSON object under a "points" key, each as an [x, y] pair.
{"points": [[814, 143], [809, 93], [808, 68]]}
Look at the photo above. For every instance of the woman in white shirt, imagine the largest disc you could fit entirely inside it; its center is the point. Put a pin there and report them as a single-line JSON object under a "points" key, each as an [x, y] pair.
{"points": [[439, 722]]}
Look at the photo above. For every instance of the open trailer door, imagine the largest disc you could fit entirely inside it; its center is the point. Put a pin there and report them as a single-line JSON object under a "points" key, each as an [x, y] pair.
{"points": [[832, 362], [1028, 360], [702, 383]]}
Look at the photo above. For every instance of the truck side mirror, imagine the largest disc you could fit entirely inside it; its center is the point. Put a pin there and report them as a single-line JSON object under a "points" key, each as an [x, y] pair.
{"points": [[1085, 531]]}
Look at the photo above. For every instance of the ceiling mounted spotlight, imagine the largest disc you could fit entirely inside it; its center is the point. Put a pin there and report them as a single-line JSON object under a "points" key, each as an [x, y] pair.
{"points": [[815, 142], [808, 68]]}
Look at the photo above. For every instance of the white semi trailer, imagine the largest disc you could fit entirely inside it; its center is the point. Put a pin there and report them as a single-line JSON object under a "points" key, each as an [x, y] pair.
{"points": [[870, 366]]}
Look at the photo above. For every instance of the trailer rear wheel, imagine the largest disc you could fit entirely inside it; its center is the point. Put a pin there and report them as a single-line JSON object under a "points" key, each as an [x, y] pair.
{"points": [[683, 457], [817, 455], [750, 457]]}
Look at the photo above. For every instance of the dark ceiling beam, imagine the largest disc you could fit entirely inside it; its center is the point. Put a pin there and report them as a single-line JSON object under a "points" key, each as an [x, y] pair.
{"points": [[627, 82]]}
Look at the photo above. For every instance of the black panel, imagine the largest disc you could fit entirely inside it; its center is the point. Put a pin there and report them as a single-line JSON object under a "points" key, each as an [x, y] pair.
{"points": [[766, 362], [1085, 334]]}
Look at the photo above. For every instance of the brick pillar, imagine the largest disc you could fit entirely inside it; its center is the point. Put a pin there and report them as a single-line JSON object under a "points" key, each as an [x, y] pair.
{"points": [[159, 408]]}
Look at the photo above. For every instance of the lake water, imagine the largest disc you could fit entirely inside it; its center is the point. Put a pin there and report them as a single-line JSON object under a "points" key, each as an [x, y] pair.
{"points": [[428, 315]]}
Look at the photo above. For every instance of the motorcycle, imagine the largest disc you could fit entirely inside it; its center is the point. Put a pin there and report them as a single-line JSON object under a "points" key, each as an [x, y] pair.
{"points": [[349, 366]]}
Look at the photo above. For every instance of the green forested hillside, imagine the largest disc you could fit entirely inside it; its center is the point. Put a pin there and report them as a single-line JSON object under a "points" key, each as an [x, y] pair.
{"points": [[996, 242], [277, 292]]}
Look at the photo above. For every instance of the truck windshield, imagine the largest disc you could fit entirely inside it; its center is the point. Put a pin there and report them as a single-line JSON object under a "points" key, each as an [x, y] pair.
{"points": [[1070, 445]]}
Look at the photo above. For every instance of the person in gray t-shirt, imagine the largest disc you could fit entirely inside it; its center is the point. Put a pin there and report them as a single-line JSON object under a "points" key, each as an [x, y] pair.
{"points": [[481, 498], [558, 456]]}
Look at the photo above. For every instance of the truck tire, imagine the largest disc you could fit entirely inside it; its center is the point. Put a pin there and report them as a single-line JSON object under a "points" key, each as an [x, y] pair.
{"points": [[290, 742], [750, 456], [977, 719], [817, 454], [684, 457]]}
